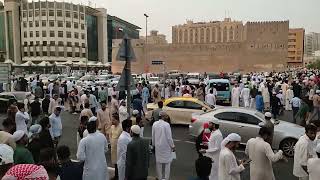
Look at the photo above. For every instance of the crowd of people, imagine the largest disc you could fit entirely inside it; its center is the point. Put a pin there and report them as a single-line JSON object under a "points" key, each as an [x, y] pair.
{"points": [[31, 147]]}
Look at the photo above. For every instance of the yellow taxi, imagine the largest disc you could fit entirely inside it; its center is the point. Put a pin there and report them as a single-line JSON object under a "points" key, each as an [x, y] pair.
{"points": [[180, 109]]}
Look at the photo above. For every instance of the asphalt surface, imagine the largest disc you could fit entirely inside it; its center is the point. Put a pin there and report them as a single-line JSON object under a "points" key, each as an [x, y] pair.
{"points": [[183, 167]]}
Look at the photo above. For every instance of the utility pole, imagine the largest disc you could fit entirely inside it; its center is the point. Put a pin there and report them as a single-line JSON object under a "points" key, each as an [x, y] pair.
{"points": [[128, 74], [146, 64]]}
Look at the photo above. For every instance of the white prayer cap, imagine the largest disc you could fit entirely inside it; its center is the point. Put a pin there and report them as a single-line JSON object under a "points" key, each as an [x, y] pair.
{"points": [[274, 92], [135, 129], [34, 129], [268, 114], [6, 154], [318, 148], [135, 112], [214, 121], [92, 119], [18, 135], [317, 91], [233, 137]]}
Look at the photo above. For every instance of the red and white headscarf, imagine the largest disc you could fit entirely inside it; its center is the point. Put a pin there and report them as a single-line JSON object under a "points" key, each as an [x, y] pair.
{"points": [[26, 172]]}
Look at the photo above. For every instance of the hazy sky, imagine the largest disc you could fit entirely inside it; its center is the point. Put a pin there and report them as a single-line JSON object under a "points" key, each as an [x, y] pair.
{"points": [[166, 13]]}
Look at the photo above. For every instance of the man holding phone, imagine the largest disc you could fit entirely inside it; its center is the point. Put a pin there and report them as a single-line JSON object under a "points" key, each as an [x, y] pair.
{"points": [[262, 156]]}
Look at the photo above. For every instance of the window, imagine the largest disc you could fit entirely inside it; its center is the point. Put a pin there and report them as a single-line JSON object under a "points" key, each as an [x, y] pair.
{"points": [[51, 33], [82, 26], [59, 5], [69, 54], [25, 54], [37, 5], [37, 34], [25, 43], [83, 45], [82, 16], [68, 14], [52, 43], [51, 12], [51, 23], [31, 43], [61, 53], [31, 53], [67, 6], [30, 13], [83, 54], [192, 105], [69, 44], [76, 44], [68, 34], [44, 53], [60, 43], [37, 23], [59, 13], [76, 35], [24, 24], [81, 8], [83, 36], [60, 33], [44, 33], [44, 4], [176, 104], [75, 15], [52, 53], [36, 13], [30, 24], [44, 43], [228, 116], [247, 119], [76, 25], [37, 53], [37, 43], [44, 23], [77, 54], [68, 24], [60, 23], [51, 4], [43, 13], [24, 14], [75, 7], [31, 34]]}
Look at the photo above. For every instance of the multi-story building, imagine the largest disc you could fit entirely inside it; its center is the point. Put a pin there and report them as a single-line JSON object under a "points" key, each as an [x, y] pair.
{"points": [[311, 43], [155, 38], [208, 32], [54, 31], [295, 47], [114, 32]]}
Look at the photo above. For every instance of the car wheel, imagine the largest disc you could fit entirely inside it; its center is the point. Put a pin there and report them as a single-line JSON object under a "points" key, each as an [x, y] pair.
{"points": [[287, 146]]}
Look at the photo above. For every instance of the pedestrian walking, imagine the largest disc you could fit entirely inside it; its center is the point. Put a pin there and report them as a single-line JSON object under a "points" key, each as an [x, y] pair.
{"points": [[259, 102], [296, 104], [21, 154], [203, 168], [56, 125], [115, 132], [235, 93], [313, 165], [123, 141], [21, 119], [35, 111], [104, 119], [269, 125], [245, 96]]}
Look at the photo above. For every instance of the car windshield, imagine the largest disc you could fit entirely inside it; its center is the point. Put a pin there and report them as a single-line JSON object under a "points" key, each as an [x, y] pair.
{"points": [[20, 96], [193, 76], [221, 86], [260, 115], [53, 77], [153, 79]]}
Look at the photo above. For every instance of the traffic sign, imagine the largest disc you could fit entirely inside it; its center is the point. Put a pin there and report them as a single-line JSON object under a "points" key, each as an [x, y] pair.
{"points": [[121, 86], [121, 56]]}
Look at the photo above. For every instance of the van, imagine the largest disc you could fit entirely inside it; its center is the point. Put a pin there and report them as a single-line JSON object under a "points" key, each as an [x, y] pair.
{"points": [[223, 88]]}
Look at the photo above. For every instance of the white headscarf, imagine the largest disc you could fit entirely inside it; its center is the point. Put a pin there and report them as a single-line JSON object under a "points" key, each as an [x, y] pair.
{"points": [[230, 138]]}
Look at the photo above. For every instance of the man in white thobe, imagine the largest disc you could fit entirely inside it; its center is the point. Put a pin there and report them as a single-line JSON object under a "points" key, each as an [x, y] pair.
{"points": [[245, 95], [92, 150], [123, 114], [303, 151], [228, 164], [214, 148], [288, 97], [211, 97], [123, 142], [313, 165], [262, 156], [164, 146], [235, 96], [22, 119]]}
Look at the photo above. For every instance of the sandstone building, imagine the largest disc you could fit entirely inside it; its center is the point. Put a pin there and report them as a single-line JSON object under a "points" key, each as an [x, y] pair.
{"points": [[295, 47], [215, 46]]}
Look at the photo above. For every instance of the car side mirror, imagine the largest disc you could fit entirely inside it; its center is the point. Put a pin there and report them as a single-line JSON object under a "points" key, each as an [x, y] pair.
{"points": [[261, 124]]}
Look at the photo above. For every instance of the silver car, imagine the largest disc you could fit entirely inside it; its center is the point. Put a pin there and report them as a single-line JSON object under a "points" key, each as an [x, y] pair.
{"points": [[247, 122]]}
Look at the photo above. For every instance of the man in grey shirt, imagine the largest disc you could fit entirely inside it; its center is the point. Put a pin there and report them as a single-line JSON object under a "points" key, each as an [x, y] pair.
{"points": [[155, 113]]}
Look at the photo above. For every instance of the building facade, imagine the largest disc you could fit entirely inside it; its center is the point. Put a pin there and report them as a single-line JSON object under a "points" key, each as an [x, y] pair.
{"points": [[259, 46], [155, 38], [311, 43], [114, 32], [295, 47], [54, 31]]}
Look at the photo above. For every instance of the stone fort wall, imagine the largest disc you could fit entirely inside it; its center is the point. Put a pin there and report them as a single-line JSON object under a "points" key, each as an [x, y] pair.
{"points": [[264, 49]]}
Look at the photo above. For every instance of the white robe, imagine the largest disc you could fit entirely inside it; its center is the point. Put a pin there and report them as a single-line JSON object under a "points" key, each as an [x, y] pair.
{"points": [[262, 156], [245, 95], [162, 141], [228, 166], [123, 141], [213, 151], [21, 120], [165, 92], [92, 150], [235, 96], [289, 96], [123, 114], [314, 168]]}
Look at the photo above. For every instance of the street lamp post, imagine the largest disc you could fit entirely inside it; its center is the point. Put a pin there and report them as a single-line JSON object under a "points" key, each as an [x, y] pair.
{"points": [[146, 47]]}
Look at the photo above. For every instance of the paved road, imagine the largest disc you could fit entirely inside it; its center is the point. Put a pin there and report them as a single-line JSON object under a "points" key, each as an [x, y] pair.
{"points": [[183, 166]]}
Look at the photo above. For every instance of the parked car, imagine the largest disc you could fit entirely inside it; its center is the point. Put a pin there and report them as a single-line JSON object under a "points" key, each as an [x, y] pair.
{"points": [[180, 109], [6, 98], [223, 88], [247, 122]]}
